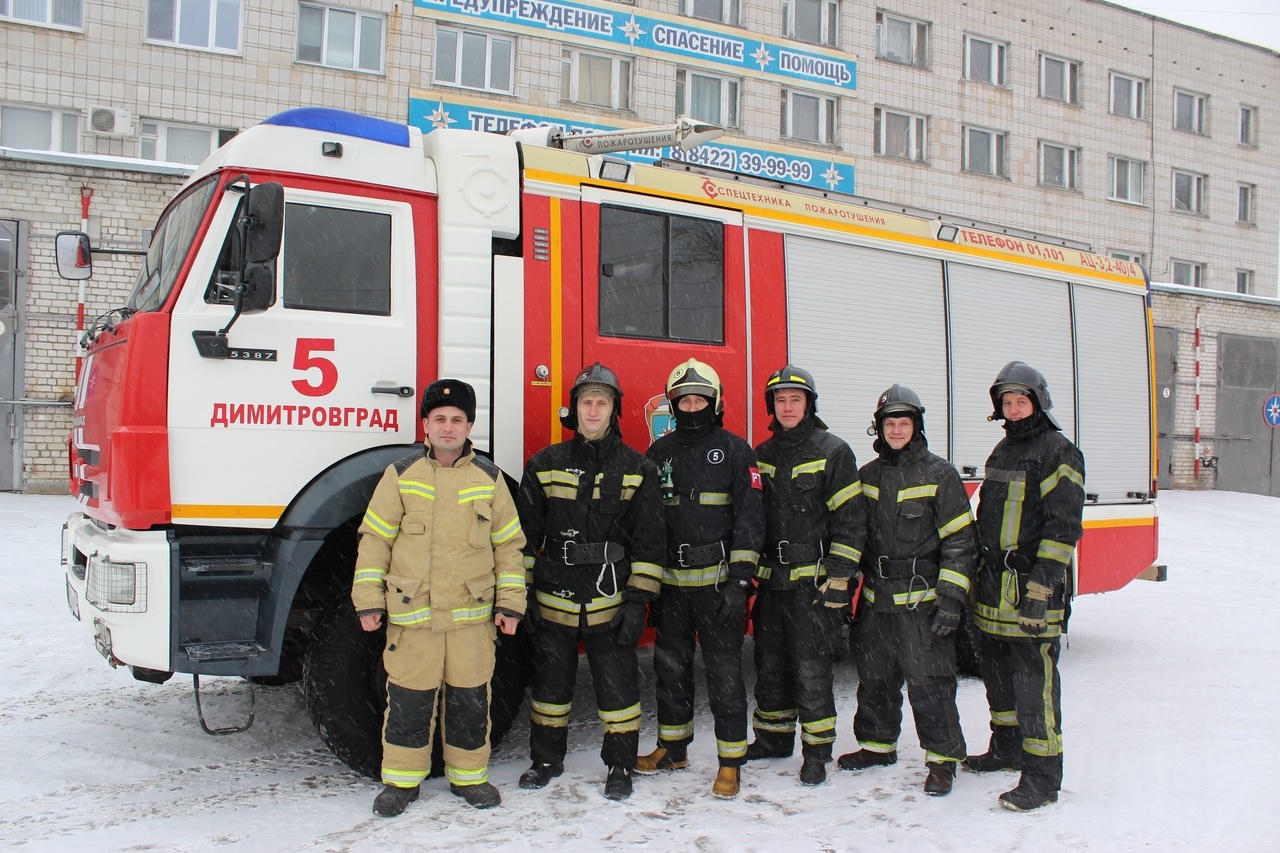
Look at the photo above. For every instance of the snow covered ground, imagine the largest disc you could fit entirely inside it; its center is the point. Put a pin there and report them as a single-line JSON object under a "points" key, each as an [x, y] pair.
{"points": [[1171, 707]]}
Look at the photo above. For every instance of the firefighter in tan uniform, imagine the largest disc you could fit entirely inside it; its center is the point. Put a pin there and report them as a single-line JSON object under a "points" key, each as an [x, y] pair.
{"points": [[440, 558]]}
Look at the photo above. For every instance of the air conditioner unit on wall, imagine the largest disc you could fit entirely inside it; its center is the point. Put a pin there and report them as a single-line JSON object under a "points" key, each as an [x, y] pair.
{"points": [[108, 121]]}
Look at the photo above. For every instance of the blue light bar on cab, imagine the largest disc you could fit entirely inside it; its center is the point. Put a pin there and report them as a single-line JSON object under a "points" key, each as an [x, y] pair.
{"points": [[344, 124]]}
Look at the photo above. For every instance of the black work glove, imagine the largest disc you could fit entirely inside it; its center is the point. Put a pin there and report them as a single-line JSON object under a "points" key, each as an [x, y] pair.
{"points": [[947, 619], [732, 607], [1032, 614], [834, 593], [628, 623]]}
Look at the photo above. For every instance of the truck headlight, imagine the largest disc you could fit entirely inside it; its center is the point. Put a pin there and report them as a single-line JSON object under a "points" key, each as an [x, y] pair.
{"points": [[115, 586]]}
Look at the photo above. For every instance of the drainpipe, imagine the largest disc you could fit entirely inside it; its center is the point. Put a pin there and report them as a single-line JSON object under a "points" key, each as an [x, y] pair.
{"points": [[86, 194], [1196, 464]]}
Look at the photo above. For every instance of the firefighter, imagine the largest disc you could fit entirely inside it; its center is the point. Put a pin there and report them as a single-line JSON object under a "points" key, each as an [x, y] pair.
{"points": [[921, 553], [439, 557], [1030, 513], [813, 544], [592, 513], [715, 527]]}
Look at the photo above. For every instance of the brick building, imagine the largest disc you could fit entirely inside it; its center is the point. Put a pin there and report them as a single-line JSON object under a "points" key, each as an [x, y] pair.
{"points": [[1139, 137]]}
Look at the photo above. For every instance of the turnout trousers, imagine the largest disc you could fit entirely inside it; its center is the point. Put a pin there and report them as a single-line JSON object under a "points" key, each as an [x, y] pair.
{"points": [[1024, 693], [687, 617], [420, 663], [615, 675], [893, 648], [795, 641]]}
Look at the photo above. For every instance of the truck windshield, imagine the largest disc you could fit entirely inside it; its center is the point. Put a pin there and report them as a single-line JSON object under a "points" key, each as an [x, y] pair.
{"points": [[169, 247]]}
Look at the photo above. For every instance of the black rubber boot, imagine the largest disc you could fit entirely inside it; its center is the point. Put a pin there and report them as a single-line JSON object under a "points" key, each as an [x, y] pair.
{"points": [[864, 758], [813, 771], [540, 774], [392, 801], [1004, 752], [1039, 785], [769, 746], [618, 785], [482, 796], [941, 776]]}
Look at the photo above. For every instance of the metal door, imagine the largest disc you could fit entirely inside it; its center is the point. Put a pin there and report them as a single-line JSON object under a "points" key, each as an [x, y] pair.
{"points": [[1249, 448], [10, 414], [1166, 401]]}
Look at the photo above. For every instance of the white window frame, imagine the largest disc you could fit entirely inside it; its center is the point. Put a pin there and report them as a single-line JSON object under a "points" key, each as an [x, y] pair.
{"points": [[175, 37], [996, 72], [464, 37], [1137, 88], [730, 89], [996, 146], [1249, 125], [1132, 257], [1192, 272], [917, 137], [153, 134], [1070, 165], [64, 127], [363, 20], [7, 13], [1244, 281], [571, 70], [1197, 104], [728, 13], [828, 117], [1187, 191], [1113, 189], [828, 21], [885, 21], [1247, 203], [1067, 76]]}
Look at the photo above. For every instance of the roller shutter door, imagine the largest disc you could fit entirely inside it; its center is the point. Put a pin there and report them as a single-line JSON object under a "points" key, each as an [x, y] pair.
{"points": [[860, 320], [998, 317]]}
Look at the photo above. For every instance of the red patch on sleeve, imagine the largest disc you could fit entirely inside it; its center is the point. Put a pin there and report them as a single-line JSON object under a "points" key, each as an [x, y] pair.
{"points": [[756, 482]]}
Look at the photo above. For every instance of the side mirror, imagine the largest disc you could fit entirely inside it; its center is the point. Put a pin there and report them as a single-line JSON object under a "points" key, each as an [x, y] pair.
{"points": [[266, 223], [74, 255], [259, 288]]}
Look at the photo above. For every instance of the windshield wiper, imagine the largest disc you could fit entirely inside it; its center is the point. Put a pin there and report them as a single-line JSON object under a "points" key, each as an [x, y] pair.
{"points": [[105, 322]]}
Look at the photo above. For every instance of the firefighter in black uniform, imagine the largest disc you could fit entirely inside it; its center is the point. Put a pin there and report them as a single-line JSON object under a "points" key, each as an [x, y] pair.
{"points": [[592, 510], [715, 527], [1029, 520], [921, 555], [815, 528]]}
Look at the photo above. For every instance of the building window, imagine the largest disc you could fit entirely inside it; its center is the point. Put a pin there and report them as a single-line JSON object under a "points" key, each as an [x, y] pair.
{"points": [[56, 13], [1059, 79], [902, 40], [475, 60], [900, 135], [1188, 111], [1244, 281], [1245, 196], [1125, 179], [661, 276], [340, 38], [1248, 125], [179, 143], [40, 130], [985, 60], [1131, 257], [813, 21], [808, 117], [209, 24], [721, 11], [596, 79], [983, 151], [1188, 191], [707, 98], [1058, 165], [1128, 96], [1188, 273]]}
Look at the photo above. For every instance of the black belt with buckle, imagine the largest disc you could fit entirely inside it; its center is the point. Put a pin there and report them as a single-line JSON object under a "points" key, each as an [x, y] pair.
{"points": [[788, 552], [898, 569], [592, 553], [693, 556]]}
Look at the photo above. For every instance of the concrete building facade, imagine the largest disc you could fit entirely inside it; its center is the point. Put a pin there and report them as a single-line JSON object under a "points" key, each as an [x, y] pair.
{"points": [[1085, 122]]}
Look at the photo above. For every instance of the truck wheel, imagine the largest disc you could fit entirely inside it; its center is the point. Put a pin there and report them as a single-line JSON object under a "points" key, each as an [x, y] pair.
{"points": [[346, 687], [968, 652]]}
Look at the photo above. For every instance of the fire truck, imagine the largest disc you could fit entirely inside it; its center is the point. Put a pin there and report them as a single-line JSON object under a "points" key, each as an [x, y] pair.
{"points": [[316, 272]]}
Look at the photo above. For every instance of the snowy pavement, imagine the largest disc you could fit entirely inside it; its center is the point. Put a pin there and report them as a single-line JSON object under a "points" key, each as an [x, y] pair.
{"points": [[1171, 694]]}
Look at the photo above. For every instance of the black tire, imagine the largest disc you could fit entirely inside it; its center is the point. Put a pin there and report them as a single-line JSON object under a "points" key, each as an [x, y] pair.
{"points": [[968, 652], [346, 687]]}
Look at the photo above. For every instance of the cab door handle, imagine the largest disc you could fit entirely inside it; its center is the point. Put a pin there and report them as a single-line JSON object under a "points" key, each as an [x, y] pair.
{"points": [[397, 390]]}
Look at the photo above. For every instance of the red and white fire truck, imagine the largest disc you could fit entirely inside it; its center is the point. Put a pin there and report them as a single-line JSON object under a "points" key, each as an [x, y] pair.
{"points": [[318, 270]]}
